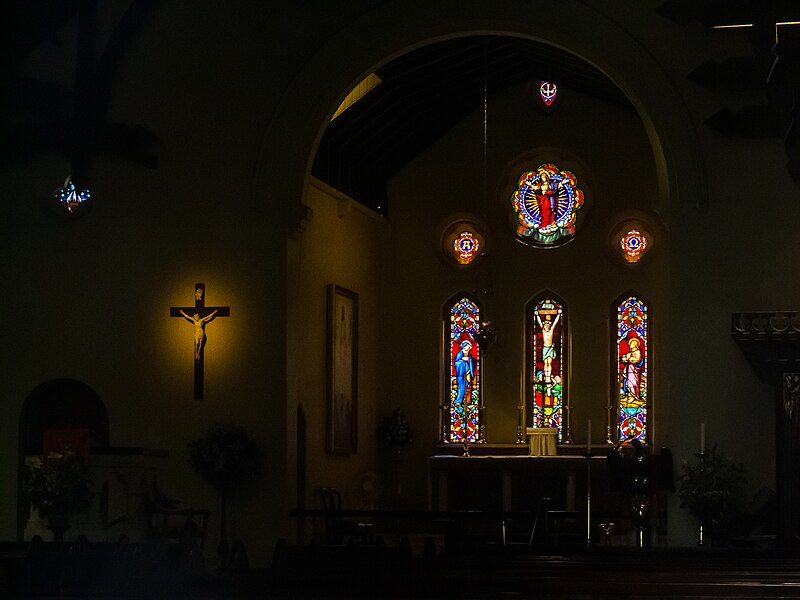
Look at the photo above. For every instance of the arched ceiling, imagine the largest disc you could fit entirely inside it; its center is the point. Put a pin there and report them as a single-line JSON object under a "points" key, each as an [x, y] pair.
{"points": [[425, 93]]}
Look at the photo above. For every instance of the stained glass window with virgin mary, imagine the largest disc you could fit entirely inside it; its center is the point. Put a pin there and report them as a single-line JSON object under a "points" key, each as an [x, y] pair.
{"points": [[463, 356]]}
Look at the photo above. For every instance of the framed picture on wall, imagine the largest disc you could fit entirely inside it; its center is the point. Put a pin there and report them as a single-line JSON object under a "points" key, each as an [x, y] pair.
{"points": [[342, 370]]}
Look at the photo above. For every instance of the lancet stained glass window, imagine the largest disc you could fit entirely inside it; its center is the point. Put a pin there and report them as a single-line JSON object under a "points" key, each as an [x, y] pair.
{"points": [[546, 204], [546, 365], [632, 369], [465, 371]]}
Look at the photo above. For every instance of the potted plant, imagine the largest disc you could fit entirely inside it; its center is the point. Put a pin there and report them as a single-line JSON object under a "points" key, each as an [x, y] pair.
{"points": [[397, 434], [225, 456], [712, 489], [58, 487]]}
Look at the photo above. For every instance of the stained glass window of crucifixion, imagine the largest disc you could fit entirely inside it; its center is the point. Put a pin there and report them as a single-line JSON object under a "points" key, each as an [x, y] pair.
{"points": [[546, 205], [631, 369], [546, 372], [463, 356]]}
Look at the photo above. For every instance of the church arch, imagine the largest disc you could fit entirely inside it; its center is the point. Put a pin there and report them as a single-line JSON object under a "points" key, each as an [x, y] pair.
{"points": [[297, 127]]}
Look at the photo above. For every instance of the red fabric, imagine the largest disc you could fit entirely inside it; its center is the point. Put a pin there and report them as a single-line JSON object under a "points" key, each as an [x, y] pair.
{"points": [[59, 440], [546, 202]]}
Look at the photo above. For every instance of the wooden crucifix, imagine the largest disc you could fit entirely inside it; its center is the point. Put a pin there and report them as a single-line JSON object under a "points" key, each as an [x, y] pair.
{"points": [[199, 315]]}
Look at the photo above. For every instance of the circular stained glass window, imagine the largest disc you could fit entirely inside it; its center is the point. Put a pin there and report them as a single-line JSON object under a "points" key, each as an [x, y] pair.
{"points": [[546, 205], [633, 244], [466, 247], [463, 242], [632, 240]]}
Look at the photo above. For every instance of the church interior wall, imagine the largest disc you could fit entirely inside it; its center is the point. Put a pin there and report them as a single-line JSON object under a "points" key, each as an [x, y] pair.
{"points": [[94, 299], [342, 245], [89, 299], [94, 293], [723, 266], [606, 147]]}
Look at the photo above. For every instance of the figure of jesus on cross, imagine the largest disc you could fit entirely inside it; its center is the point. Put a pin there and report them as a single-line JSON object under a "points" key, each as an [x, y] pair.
{"points": [[199, 315], [199, 329]]}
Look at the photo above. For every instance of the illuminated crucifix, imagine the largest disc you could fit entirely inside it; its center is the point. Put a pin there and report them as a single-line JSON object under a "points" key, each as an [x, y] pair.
{"points": [[199, 315]]}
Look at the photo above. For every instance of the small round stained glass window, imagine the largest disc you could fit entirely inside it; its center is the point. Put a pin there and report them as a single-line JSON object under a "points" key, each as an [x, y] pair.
{"points": [[633, 245], [634, 239], [463, 242], [466, 247]]}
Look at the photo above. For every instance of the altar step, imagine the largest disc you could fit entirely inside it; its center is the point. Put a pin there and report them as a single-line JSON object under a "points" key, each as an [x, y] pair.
{"points": [[514, 571]]}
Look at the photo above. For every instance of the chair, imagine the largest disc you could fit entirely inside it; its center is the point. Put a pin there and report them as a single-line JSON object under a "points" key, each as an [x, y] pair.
{"points": [[337, 529], [186, 526], [169, 522], [541, 513]]}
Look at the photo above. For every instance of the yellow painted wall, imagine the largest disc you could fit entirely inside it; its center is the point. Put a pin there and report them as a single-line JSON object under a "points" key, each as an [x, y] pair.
{"points": [[342, 244], [238, 99]]}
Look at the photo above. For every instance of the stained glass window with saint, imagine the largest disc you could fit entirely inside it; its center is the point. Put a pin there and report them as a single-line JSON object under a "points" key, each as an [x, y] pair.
{"points": [[632, 369], [465, 371], [546, 205]]}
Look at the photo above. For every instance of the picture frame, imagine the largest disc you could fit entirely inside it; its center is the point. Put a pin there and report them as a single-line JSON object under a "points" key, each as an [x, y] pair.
{"points": [[342, 370]]}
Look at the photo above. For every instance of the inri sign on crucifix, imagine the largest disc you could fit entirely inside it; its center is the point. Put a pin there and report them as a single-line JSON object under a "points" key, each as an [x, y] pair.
{"points": [[199, 315]]}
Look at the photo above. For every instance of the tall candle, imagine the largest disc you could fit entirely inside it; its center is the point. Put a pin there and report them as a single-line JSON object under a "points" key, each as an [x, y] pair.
{"points": [[589, 435], [702, 438]]}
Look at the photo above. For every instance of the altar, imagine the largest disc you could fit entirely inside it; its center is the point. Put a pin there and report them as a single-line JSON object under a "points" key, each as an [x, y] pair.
{"points": [[518, 482], [124, 480]]}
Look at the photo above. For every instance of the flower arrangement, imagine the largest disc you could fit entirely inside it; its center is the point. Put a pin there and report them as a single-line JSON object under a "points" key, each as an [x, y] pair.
{"points": [[60, 484], [397, 433], [225, 456], [712, 490]]}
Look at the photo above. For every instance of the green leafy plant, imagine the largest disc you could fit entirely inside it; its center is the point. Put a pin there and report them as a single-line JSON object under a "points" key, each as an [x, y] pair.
{"points": [[225, 456], [397, 433], [713, 490], [59, 485]]}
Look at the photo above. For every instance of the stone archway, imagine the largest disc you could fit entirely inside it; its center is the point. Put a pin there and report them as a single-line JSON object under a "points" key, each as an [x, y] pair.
{"points": [[347, 55]]}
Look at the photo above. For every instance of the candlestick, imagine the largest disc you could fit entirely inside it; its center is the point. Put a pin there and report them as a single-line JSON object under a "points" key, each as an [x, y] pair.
{"points": [[589, 436], [702, 438]]}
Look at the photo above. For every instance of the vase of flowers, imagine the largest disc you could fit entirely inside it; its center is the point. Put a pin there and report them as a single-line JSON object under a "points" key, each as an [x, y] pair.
{"points": [[225, 456], [58, 487], [397, 434]]}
